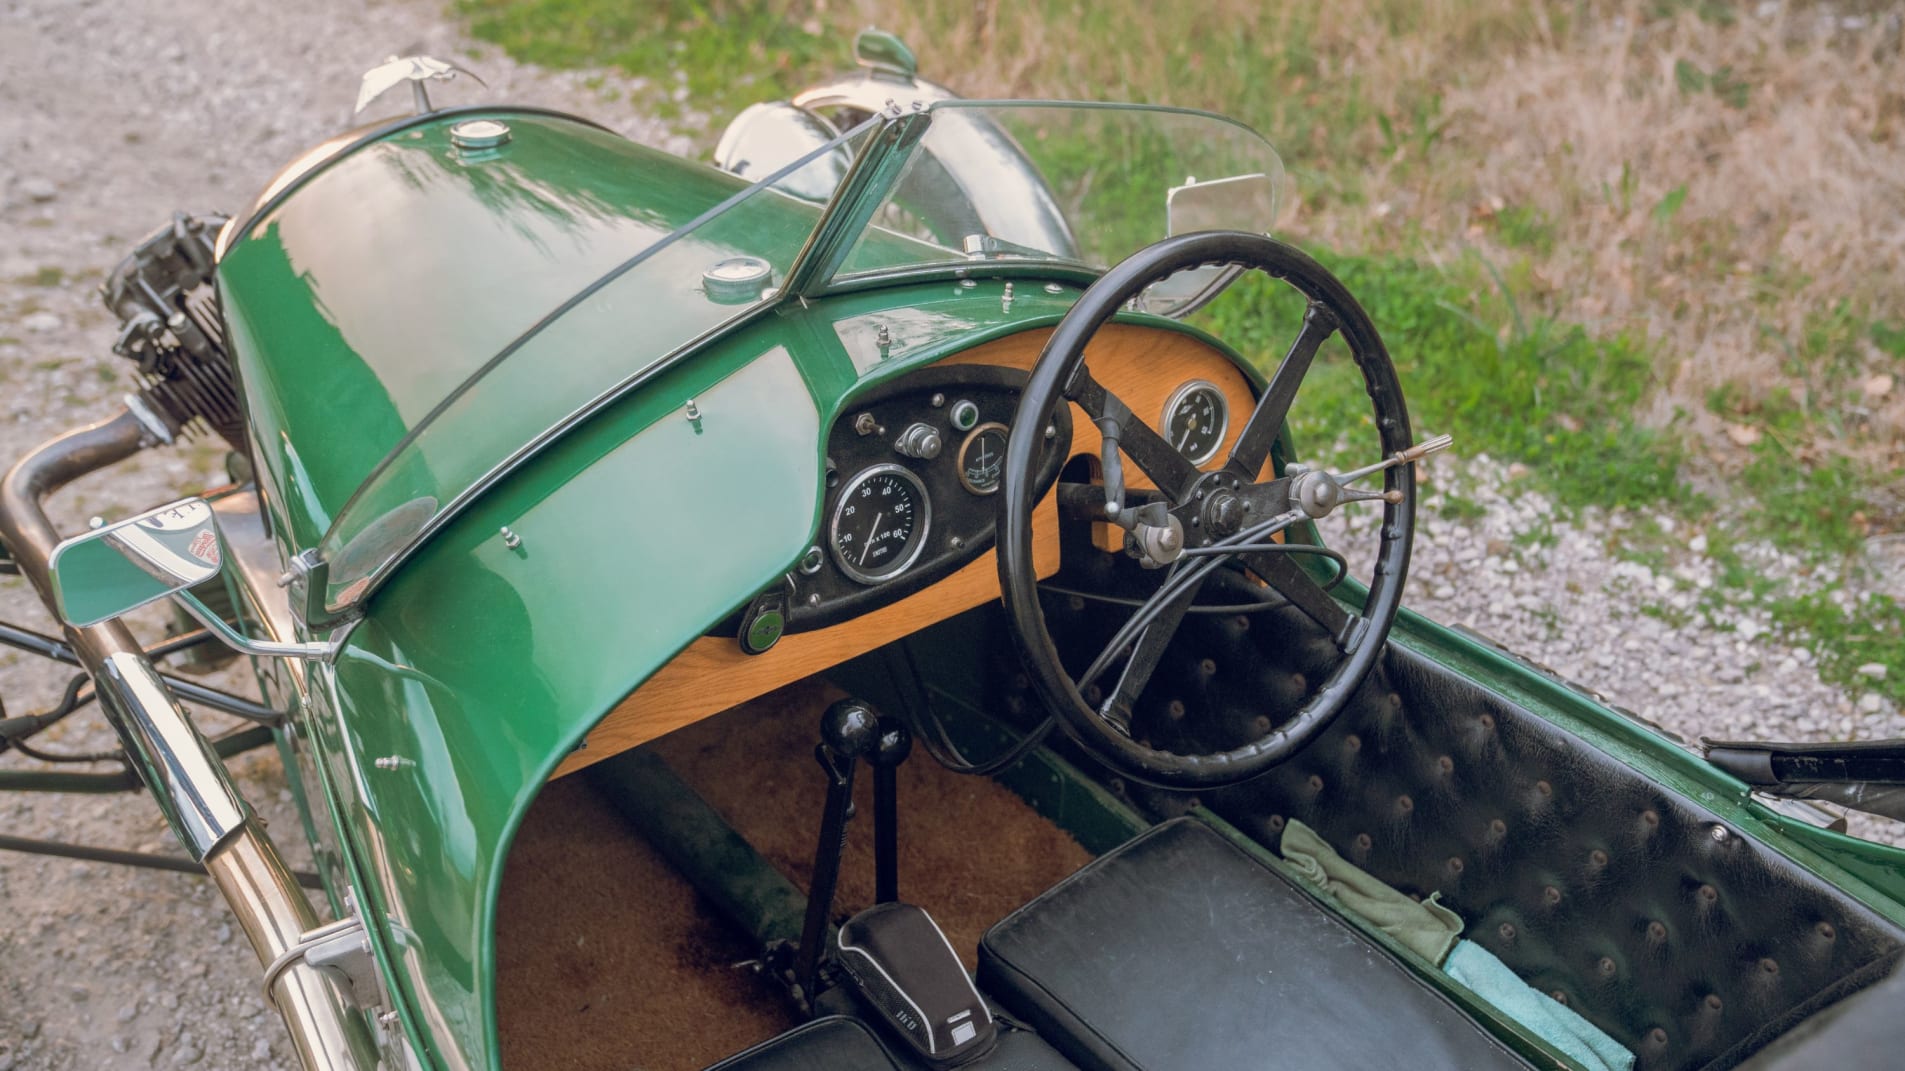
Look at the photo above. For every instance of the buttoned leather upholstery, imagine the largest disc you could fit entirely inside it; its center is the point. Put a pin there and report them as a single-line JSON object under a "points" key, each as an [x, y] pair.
{"points": [[1687, 943]]}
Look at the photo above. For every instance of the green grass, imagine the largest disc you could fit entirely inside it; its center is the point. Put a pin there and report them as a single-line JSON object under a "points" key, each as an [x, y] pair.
{"points": [[1513, 387], [1871, 630], [1277, 67], [1525, 228], [725, 53], [1461, 509]]}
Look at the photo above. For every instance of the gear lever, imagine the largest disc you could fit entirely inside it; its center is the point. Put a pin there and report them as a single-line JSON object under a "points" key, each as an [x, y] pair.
{"points": [[891, 749], [849, 731], [894, 953]]}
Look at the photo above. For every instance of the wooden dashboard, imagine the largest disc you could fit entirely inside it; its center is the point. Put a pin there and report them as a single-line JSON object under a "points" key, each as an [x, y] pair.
{"points": [[1142, 366]]}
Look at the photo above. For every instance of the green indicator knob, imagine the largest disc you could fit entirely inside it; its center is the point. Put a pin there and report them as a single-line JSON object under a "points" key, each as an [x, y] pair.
{"points": [[965, 415]]}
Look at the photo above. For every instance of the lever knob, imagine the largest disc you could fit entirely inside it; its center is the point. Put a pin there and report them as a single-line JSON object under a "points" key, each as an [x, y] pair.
{"points": [[894, 744], [850, 728]]}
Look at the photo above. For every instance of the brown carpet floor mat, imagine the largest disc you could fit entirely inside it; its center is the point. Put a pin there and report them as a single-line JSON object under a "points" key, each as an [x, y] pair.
{"points": [[970, 849], [607, 959]]}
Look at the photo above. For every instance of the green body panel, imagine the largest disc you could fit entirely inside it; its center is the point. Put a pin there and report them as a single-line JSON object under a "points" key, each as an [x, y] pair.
{"points": [[524, 287], [481, 666], [393, 273]]}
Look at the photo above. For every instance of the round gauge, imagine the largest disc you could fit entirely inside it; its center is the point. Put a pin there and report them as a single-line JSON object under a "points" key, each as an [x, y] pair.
{"points": [[981, 458], [1195, 420], [879, 523]]}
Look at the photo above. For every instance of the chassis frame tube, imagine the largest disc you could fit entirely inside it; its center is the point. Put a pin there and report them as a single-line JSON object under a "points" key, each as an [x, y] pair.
{"points": [[179, 765], [59, 651]]}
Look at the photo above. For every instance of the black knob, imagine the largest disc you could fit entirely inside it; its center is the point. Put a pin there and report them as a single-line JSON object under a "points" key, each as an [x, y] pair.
{"points": [[850, 728], [894, 744]]}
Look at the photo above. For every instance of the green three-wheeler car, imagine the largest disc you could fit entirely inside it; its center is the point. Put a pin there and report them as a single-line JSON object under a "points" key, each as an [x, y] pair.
{"points": [[663, 582]]}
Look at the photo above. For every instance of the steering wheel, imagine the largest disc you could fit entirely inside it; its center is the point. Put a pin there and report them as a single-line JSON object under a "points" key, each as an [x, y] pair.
{"points": [[1198, 520]]}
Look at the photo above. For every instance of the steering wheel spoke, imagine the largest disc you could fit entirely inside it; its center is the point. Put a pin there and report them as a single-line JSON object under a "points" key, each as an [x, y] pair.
{"points": [[1291, 582], [1266, 421], [1149, 648], [1169, 470]]}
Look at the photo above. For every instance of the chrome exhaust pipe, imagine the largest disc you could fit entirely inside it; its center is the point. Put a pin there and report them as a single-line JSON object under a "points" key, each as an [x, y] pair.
{"points": [[178, 765]]}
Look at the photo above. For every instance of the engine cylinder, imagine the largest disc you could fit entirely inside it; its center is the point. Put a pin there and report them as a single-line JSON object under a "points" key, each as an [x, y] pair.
{"points": [[170, 326]]}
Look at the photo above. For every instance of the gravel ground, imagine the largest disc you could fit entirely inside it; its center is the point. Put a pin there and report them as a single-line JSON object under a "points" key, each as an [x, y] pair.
{"points": [[112, 115]]}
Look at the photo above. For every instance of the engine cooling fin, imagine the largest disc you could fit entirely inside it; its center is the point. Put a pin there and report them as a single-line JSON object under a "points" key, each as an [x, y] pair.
{"points": [[170, 325]]}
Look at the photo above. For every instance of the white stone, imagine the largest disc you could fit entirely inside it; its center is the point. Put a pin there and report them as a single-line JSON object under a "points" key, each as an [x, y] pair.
{"points": [[39, 189], [1874, 670], [41, 322], [1870, 703]]}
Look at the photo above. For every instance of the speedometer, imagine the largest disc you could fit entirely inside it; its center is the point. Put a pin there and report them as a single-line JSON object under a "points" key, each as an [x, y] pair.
{"points": [[1195, 420], [879, 523]]}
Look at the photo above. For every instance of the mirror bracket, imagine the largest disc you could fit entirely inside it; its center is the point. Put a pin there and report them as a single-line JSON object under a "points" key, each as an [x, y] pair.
{"points": [[323, 650]]}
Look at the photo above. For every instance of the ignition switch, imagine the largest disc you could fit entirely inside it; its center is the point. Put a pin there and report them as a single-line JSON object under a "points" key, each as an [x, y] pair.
{"points": [[920, 440]]}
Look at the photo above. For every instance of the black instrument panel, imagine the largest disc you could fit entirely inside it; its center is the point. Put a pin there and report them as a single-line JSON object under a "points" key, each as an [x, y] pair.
{"points": [[914, 468]]}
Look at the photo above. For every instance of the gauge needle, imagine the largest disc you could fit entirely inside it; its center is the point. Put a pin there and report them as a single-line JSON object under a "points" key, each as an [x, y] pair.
{"points": [[1186, 437], [872, 534]]}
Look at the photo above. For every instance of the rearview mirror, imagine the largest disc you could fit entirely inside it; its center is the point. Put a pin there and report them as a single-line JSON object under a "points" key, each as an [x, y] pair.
{"points": [[112, 571]]}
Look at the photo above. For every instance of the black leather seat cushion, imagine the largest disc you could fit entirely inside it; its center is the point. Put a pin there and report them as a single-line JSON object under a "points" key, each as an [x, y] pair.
{"points": [[1632, 904], [835, 1043], [1179, 951]]}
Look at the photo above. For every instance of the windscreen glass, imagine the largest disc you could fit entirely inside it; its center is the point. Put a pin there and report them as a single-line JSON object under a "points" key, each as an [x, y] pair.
{"points": [[1074, 184]]}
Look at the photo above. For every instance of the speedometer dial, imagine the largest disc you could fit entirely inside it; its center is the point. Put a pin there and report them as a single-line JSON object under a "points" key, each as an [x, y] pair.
{"points": [[879, 523], [1195, 420]]}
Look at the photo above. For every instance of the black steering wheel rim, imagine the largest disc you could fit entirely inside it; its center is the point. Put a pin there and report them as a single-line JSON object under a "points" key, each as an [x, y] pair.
{"points": [[1056, 376]]}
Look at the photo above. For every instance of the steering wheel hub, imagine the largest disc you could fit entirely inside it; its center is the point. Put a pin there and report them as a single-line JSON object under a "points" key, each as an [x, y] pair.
{"points": [[1219, 508]]}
